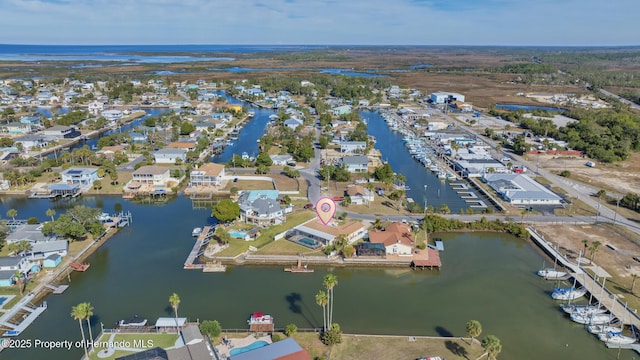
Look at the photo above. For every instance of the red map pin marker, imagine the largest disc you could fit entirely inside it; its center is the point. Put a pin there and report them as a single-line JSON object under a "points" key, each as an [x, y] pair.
{"points": [[325, 208]]}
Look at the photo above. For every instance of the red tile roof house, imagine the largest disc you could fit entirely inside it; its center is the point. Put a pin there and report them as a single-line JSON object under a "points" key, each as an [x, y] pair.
{"points": [[396, 238]]}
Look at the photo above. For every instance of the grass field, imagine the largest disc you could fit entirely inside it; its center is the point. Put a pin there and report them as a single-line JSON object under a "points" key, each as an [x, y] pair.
{"points": [[286, 247], [141, 341], [355, 347]]}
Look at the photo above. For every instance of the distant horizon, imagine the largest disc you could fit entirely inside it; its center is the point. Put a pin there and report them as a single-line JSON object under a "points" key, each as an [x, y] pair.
{"points": [[329, 45]]}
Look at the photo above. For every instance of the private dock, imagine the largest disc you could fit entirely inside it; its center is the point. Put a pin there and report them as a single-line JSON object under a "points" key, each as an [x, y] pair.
{"points": [[29, 314], [215, 266], [79, 266], [198, 248], [57, 290], [299, 269]]}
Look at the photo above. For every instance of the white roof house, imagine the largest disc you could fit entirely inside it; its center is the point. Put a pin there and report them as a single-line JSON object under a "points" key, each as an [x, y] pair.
{"points": [[169, 155], [520, 189]]}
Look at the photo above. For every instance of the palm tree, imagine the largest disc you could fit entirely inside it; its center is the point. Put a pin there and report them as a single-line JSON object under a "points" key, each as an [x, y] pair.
{"points": [[51, 213], [585, 242], [593, 249], [19, 281], [474, 329], [77, 312], [12, 213], [88, 313], [378, 223], [329, 282], [492, 346], [174, 300], [323, 300]]}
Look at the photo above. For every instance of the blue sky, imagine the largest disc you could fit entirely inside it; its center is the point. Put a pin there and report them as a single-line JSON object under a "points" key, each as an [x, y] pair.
{"points": [[367, 22]]}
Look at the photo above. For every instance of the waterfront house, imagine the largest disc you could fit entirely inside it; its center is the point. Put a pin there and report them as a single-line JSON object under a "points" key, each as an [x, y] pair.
{"points": [[518, 189], [396, 238], [261, 207], [152, 175], [13, 263], [349, 147], [95, 107], [316, 231], [209, 174], [281, 160], [359, 195], [112, 115], [355, 164], [60, 132], [363, 103], [137, 137], [27, 232], [293, 123], [80, 176], [341, 110], [15, 128], [108, 152], [33, 120], [287, 349], [31, 141], [44, 249], [186, 145], [169, 156]]}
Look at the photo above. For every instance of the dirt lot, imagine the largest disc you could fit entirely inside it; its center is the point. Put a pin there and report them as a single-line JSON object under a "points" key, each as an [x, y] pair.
{"points": [[621, 177], [618, 263]]}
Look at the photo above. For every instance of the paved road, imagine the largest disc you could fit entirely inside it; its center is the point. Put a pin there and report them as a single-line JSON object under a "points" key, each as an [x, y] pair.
{"points": [[622, 100], [573, 189]]}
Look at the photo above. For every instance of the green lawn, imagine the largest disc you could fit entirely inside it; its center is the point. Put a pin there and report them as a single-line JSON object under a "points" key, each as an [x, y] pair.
{"points": [[286, 247], [145, 341], [236, 247]]}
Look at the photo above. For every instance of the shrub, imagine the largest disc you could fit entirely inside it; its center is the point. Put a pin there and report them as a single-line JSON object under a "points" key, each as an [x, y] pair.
{"points": [[565, 173], [275, 337], [332, 336], [32, 220], [211, 328]]}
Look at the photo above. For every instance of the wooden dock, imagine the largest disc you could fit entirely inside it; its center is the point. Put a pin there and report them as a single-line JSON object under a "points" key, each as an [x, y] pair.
{"points": [[198, 248], [299, 268], [79, 266], [57, 290], [30, 314], [615, 306]]}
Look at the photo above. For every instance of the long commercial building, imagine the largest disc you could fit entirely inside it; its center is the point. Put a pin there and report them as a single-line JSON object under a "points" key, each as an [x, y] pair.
{"points": [[518, 189]]}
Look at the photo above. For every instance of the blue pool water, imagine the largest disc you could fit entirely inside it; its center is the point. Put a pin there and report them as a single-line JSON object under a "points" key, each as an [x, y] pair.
{"points": [[237, 234], [308, 242], [252, 346], [2, 300]]}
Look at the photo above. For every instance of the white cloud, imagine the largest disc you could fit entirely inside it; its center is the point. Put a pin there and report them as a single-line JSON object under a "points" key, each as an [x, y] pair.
{"points": [[471, 22]]}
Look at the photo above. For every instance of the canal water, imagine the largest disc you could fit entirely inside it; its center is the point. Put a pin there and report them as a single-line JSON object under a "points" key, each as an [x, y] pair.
{"points": [[393, 150], [250, 132], [488, 277]]}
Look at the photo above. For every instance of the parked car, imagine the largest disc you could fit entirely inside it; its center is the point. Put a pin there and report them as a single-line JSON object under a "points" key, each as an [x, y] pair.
{"points": [[308, 206], [337, 198]]}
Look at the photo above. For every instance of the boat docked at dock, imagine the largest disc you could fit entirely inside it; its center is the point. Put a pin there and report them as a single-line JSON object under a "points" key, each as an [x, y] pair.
{"points": [[552, 274], [196, 232], [568, 293], [592, 319], [260, 322], [134, 321], [616, 338], [599, 329], [583, 309]]}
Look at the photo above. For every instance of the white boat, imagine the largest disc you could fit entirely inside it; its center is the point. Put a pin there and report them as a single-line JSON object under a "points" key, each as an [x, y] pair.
{"points": [[251, 114], [551, 274], [260, 318], [133, 322], [568, 293], [442, 174], [582, 309], [599, 329], [592, 319], [196, 231], [616, 338], [273, 116]]}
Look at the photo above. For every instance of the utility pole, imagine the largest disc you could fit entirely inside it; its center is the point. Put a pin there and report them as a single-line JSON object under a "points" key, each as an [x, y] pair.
{"points": [[615, 214]]}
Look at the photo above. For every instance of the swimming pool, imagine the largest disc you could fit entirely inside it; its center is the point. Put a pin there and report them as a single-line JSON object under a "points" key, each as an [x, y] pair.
{"points": [[3, 299], [237, 234], [308, 242], [252, 346]]}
